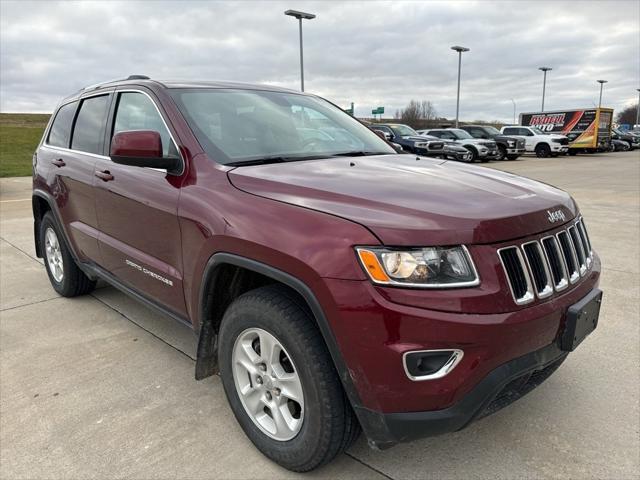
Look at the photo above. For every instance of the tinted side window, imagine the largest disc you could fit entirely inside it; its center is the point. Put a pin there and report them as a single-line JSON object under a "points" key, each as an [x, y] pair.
{"points": [[476, 132], [88, 132], [435, 134], [136, 111], [61, 128], [526, 132], [512, 131]]}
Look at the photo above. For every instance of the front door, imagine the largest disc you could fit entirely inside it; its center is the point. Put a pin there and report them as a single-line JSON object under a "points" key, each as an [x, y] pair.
{"points": [[137, 210]]}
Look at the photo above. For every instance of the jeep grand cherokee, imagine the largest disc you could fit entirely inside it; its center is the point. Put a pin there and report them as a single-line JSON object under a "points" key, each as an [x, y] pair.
{"points": [[333, 284]]}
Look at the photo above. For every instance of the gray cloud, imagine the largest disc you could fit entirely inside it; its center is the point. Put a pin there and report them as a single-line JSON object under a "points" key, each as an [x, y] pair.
{"points": [[371, 53]]}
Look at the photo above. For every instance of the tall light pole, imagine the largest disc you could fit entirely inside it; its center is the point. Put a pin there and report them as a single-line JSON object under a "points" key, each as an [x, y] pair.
{"points": [[601, 82], [514, 110], [459, 50], [300, 16], [544, 83], [638, 109]]}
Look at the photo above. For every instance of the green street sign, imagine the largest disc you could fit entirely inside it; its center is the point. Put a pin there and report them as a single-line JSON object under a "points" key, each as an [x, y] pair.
{"points": [[378, 111]]}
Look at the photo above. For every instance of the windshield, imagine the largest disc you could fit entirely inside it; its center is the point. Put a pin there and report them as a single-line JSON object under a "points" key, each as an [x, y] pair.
{"points": [[403, 131], [492, 130], [538, 131], [237, 126], [460, 134]]}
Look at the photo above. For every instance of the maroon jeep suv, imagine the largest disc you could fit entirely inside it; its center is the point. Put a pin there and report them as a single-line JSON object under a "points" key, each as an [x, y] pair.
{"points": [[335, 285]]}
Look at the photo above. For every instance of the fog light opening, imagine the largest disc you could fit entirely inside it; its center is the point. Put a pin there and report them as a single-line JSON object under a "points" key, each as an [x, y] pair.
{"points": [[430, 364]]}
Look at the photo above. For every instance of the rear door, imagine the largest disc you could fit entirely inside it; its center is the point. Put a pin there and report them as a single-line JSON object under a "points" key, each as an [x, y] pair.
{"points": [[73, 147], [137, 209]]}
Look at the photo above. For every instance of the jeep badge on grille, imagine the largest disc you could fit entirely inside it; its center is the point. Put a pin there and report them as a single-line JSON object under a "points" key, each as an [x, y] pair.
{"points": [[555, 216]]}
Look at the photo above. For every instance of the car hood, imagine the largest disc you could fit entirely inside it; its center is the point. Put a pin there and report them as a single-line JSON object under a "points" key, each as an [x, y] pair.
{"points": [[476, 141], [406, 200], [413, 138]]}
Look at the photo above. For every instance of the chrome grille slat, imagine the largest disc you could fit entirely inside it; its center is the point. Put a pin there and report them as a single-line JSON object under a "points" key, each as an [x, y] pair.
{"points": [[569, 256], [517, 276], [577, 245], [540, 267], [556, 263]]}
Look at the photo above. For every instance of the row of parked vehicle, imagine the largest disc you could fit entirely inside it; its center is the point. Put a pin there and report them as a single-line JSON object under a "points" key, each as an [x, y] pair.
{"points": [[483, 143]]}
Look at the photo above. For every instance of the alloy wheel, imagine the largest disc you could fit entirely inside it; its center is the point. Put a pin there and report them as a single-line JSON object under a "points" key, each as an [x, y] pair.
{"points": [[54, 255], [268, 384]]}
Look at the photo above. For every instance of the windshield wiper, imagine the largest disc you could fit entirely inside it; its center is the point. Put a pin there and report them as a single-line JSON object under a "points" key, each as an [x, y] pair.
{"points": [[359, 153], [274, 159]]}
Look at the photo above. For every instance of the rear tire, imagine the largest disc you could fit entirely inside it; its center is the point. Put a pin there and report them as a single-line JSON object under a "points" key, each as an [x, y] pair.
{"points": [[317, 427], [543, 150], [65, 276]]}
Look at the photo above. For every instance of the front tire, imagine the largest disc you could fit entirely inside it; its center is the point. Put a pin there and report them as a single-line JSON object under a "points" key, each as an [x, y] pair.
{"points": [[543, 150], [280, 380], [503, 152], [65, 276]]}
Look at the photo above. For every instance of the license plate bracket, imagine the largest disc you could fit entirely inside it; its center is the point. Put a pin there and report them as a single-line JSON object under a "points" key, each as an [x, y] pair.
{"points": [[582, 319]]}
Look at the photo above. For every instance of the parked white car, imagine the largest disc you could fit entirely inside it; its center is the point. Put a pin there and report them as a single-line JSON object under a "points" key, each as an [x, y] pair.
{"points": [[538, 142]]}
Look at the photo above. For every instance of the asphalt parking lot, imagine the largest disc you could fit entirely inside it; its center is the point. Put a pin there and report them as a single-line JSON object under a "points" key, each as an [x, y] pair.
{"points": [[101, 387]]}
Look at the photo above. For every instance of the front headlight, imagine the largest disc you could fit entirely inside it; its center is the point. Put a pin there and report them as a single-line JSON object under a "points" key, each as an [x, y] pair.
{"points": [[421, 145], [429, 267], [511, 143]]}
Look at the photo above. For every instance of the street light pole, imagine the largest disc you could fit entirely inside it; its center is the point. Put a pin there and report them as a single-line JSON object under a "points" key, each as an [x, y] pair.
{"points": [[514, 110], [638, 109], [544, 83], [601, 82], [300, 16], [459, 50]]}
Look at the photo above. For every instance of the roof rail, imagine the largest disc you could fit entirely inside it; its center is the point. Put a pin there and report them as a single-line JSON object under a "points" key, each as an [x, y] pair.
{"points": [[130, 77]]}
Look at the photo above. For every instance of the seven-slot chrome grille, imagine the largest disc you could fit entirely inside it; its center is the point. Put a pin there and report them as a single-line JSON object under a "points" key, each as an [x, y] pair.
{"points": [[538, 268]]}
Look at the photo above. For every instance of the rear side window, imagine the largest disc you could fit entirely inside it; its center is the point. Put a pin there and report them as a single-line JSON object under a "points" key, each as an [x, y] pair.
{"points": [[137, 112], [61, 128], [88, 132], [512, 131]]}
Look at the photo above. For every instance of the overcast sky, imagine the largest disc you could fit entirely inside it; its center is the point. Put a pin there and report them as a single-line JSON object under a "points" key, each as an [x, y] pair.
{"points": [[370, 53]]}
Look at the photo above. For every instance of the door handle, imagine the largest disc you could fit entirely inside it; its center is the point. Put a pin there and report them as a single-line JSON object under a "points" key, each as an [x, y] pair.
{"points": [[104, 175], [58, 162]]}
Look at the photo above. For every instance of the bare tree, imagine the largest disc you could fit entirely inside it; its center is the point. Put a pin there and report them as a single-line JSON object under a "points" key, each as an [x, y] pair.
{"points": [[417, 114], [628, 115]]}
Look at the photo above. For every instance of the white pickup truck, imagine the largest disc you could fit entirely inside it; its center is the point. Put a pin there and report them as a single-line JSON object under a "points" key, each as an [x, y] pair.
{"points": [[538, 142]]}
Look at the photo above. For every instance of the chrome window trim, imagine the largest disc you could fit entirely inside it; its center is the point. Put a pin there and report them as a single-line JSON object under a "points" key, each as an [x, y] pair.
{"points": [[548, 289], [564, 283], [583, 268], [113, 90], [70, 150], [454, 360], [175, 144], [529, 296], [574, 276]]}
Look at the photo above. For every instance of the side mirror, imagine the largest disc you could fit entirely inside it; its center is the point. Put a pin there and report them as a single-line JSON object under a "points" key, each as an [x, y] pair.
{"points": [[141, 148]]}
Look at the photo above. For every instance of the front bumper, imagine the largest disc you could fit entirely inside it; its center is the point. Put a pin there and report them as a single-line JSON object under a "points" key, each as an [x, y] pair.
{"points": [[556, 147], [498, 389], [515, 151], [374, 327]]}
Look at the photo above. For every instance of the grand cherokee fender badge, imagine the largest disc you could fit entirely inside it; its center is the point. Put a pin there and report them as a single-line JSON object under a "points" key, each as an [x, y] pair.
{"points": [[556, 216], [146, 271]]}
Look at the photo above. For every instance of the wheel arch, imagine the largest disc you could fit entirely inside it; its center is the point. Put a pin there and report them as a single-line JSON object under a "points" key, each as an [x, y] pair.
{"points": [[209, 315]]}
